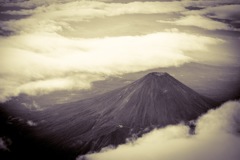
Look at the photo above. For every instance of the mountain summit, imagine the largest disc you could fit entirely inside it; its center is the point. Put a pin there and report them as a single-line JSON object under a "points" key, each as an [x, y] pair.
{"points": [[154, 101]]}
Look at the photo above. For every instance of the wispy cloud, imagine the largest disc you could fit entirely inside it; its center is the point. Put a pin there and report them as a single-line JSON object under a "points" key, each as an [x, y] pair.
{"points": [[211, 17], [218, 14], [199, 21]]}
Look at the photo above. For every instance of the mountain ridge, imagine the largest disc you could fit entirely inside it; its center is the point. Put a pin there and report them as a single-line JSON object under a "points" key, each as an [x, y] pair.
{"points": [[154, 101]]}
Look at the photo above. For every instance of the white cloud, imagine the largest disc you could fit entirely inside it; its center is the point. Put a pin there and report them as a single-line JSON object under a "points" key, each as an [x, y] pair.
{"points": [[58, 16], [217, 138], [45, 62], [37, 59], [60, 13], [199, 21]]}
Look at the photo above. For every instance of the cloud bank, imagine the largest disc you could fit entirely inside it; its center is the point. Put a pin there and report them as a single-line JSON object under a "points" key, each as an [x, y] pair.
{"points": [[217, 138], [43, 52], [40, 63]]}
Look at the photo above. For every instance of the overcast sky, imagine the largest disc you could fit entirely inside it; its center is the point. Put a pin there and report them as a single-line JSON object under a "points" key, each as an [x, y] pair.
{"points": [[56, 45]]}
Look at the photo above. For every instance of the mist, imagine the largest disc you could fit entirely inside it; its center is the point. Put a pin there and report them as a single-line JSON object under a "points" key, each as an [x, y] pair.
{"points": [[217, 138]]}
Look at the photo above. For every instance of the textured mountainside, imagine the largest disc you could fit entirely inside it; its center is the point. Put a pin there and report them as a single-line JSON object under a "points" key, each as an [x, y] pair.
{"points": [[155, 100]]}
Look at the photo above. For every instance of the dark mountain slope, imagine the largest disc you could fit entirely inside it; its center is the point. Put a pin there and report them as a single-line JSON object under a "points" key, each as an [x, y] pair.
{"points": [[155, 100]]}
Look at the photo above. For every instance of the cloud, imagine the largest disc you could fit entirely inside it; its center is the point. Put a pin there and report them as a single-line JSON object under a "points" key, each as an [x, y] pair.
{"points": [[214, 15], [211, 3], [225, 12], [89, 9], [32, 65], [199, 21], [57, 16], [217, 138], [211, 15], [39, 56], [66, 16], [229, 12], [32, 3], [31, 123], [4, 143], [65, 12]]}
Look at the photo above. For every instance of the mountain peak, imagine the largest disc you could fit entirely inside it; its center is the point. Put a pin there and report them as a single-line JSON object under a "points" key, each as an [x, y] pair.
{"points": [[155, 100], [158, 74], [155, 81]]}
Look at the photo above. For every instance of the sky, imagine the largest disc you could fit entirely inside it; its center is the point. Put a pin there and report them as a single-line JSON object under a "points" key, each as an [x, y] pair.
{"points": [[66, 45]]}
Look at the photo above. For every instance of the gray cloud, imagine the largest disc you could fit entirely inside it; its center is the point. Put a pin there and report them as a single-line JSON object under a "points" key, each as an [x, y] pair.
{"points": [[217, 138], [227, 14], [4, 143], [211, 16], [98, 9], [31, 123], [59, 16]]}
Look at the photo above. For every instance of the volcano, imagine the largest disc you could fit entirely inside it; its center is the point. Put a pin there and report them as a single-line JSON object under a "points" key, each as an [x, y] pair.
{"points": [[154, 101]]}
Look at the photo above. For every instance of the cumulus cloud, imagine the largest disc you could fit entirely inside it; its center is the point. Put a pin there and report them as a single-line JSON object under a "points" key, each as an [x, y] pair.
{"points": [[217, 138]]}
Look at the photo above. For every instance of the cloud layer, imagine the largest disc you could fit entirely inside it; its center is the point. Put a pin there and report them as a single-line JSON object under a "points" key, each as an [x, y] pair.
{"points": [[217, 138], [38, 54], [32, 65]]}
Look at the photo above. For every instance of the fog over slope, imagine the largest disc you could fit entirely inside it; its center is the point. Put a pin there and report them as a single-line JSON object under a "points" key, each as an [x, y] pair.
{"points": [[217, 138]]}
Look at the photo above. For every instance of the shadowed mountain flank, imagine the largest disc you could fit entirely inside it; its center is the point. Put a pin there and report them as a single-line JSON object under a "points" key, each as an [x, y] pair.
{"points": [[154, 101]]}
